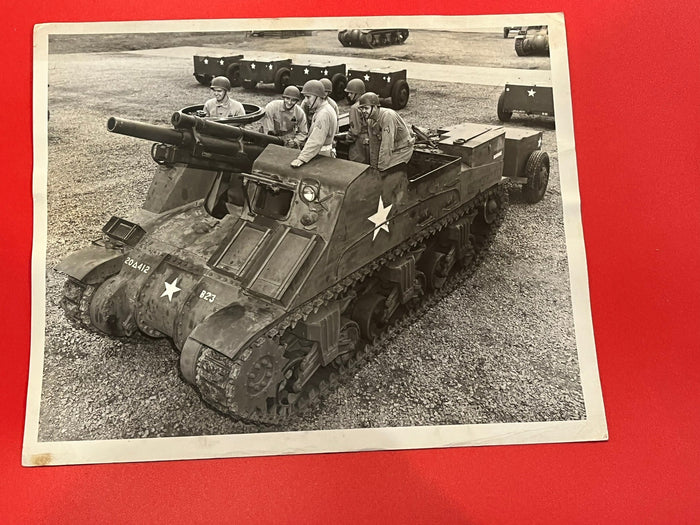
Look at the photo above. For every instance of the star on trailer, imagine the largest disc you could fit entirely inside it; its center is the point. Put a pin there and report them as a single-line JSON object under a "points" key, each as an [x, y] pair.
{"points": [[380, 218], [531, 92], [170, 289]]}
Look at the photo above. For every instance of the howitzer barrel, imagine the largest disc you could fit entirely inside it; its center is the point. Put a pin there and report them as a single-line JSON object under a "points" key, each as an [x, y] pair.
{"points": [[174, 137], [145, 131], [216, 129]]}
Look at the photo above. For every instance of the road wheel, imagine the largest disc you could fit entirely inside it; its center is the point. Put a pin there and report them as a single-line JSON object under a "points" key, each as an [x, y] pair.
{"points": [[503, 115], [282, 79], [349, 336], [537, 173], [399, 94], [519, 47], [368, 313], [233, 73], [432, 264]]}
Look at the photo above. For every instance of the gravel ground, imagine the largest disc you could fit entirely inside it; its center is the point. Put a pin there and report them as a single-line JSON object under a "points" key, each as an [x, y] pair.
{"points": [[501, 348]]}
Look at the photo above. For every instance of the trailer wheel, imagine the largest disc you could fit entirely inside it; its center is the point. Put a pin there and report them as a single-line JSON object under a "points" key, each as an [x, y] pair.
{"points": [[233, 73], [339, 82], [203, 78], [503, 115], [282, 79], [519, 49], [537, 173], [399, 94]]}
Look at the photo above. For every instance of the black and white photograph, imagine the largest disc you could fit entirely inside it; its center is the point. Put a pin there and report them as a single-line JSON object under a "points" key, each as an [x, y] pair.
{"points": [[289, 236]]}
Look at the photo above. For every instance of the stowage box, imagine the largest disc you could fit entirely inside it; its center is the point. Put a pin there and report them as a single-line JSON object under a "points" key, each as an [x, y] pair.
{"points": [[475, 143]]}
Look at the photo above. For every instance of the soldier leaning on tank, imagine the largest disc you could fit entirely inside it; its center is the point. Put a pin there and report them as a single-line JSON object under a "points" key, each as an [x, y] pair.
{"points": [[285, 119], [390, 139], [323, 127], [222, 105], [357, 134], [327, 87]]}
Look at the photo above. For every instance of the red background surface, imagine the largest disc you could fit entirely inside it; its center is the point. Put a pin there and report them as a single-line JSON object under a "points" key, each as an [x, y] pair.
{"points": [[635, 73]]}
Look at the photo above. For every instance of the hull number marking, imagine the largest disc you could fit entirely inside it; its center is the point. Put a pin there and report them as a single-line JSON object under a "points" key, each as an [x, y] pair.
{"points": [[207, 296], [137, 265]]}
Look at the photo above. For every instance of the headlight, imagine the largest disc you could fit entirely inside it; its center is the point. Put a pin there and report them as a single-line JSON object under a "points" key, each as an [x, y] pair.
{"points": [[309, 193]]}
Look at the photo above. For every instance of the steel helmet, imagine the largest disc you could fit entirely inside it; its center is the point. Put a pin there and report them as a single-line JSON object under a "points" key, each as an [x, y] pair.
{"points": [[327, 85], [314, 87], [221, 82], [292, 92], [355, 85], [369, 99]]}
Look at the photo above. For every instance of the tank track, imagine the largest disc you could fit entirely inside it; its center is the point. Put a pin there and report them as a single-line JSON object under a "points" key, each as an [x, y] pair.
{"points": [[76, 303], [213, 369]]}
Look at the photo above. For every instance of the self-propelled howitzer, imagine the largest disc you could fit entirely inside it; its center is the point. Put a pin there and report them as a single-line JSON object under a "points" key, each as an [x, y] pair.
{"points": [[279, 279]]}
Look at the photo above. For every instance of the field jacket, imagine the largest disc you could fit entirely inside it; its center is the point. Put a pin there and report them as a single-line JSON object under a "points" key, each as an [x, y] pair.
{"points": [[390, 140], [285, 123], [321, 134], [227, 108], [357, 135]]}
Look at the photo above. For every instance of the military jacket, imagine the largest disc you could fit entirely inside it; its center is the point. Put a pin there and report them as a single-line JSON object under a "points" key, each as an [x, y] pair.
{"points": [[390, 139], [285, 123], [321, 133], [227, 108]]}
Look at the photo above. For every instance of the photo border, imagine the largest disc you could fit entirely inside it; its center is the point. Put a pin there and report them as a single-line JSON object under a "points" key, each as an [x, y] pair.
{"points": [[592, 428]]}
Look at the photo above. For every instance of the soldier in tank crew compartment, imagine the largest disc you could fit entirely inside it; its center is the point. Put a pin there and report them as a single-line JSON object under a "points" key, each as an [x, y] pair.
{"points": [[327, 87], [357, 134], [323, 127], [285, 119], [390, 139], [222, 105]]}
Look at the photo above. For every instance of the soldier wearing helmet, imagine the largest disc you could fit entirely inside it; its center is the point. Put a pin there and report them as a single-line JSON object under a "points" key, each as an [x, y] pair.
{"points": [[390, 139], [284, 118], [328, 88], [323, 125], [221, 105], [357, 135]]}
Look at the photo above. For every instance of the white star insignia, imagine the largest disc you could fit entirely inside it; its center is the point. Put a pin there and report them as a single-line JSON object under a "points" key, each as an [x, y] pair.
{"points": [[531, 93], [269, 66], [325, 72], [252, 66], [306, 70], [366, 78], [388, 79], [170, 289], [380, 218], [206, 60]]}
